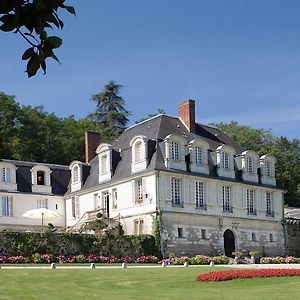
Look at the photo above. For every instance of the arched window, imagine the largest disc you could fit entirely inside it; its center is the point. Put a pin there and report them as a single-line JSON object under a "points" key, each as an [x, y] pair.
{"points": [[225, 161], [138, 151], [75, 173]]}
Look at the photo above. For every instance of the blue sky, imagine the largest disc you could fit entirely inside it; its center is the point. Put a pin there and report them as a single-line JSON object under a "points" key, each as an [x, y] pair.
{"points": [[240, 60]]}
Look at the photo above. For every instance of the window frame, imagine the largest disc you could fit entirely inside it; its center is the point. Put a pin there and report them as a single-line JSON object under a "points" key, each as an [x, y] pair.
{"points": [[176, 192], [226, 198]]}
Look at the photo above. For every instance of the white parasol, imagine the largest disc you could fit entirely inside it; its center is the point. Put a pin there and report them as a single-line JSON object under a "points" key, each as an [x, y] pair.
{"points": [[41, 214]]}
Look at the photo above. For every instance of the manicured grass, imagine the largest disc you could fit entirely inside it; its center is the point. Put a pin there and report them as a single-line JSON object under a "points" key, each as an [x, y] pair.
{"points": [[152, 283]]}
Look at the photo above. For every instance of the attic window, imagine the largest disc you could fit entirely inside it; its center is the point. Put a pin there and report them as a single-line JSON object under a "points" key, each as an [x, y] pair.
{"points": [[75, 174], [174, 151], [40, 177]]}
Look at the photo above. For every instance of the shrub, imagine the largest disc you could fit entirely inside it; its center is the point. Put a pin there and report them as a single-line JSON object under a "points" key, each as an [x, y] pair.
{"points": [[235, 274], [41, 258], [199, 260], [220, 260]]}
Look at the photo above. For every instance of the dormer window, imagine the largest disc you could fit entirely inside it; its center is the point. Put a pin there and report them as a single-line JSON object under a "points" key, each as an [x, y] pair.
{"points": [[104, 152], [267, 169], [41, 180], [225, 161], [40, 177], [139, 151], [175, 151], [249, 166], [76, 175], [199, 156], [7, 176]]}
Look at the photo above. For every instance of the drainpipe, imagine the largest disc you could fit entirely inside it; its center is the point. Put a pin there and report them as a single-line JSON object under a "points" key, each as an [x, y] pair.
{"points": [[159, 213]]}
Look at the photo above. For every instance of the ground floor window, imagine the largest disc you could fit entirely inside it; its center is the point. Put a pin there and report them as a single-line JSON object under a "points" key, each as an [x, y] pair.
{"points": [[42, 203], [138, 226], [75, 207], [6, 206], [180, 232]]}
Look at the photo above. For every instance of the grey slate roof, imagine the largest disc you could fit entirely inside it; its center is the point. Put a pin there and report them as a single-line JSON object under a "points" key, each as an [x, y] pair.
{"points": [[60, 176], [155, 129]]}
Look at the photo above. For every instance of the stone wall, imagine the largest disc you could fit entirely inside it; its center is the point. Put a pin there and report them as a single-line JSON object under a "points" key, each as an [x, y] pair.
{"points": [[292, 227], [205, 235]]}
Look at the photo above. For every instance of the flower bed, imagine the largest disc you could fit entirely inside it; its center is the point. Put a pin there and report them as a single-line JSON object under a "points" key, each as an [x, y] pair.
{"points": [[280, 260], [91, 258], [197, 260], [235, 274]]}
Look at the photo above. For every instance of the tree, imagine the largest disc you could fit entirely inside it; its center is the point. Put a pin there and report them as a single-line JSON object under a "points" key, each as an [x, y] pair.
{"points": [[31, 19], [110, 113], [286, 152]]}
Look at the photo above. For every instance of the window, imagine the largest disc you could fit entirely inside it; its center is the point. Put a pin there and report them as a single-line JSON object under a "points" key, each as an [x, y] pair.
{"points": [[250, 165], [225, 160], [105, 197], [176, 192], [269, 204], [138, 227], [138, 151], [250, 202], [271, 238], [253, 236], [42, 203], [6, 206], [40, 178], [139, 191], [75, 207], [199, 193], [75, 174], [104, 164], [174, 151], [5, 175], [199, 156], [268, 169], [226, 199], [180, 232], [114, 198], [203, 234]]}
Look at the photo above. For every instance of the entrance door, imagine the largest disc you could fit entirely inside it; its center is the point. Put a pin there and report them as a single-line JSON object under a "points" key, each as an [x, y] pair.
{"points": [[229, 242]]}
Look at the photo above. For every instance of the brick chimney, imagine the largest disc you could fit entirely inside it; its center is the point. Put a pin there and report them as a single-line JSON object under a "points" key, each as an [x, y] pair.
{"points": [[187, 114], [92, 141]]}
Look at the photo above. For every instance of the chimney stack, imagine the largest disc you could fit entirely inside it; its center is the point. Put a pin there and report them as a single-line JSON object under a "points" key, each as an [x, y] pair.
{"points": [[187, 114], [92, 141]]}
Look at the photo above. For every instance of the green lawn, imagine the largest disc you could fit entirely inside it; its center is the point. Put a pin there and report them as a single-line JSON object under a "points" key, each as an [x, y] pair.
{"points": [[152, 283]]}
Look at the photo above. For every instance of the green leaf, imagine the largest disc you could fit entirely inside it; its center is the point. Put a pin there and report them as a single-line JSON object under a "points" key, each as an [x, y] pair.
{"points": [[55, 41], [55, 58], [43, 66], [8, 23], [70, 9], [28, 53], [33, 65]]}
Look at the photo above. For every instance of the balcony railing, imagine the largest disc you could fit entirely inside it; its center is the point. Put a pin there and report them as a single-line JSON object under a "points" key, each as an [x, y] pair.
{"points": [[228, 209], [251, 212], [270, 214], [178, 204]]}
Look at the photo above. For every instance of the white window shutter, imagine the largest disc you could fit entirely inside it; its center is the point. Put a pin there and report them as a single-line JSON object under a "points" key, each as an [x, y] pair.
{"points": [[1, 205], [133, 196], [77, 206], [144, 184]]}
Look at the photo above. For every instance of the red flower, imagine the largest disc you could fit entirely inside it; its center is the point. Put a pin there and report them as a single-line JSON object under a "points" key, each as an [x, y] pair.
{"points": [[234, 274]]}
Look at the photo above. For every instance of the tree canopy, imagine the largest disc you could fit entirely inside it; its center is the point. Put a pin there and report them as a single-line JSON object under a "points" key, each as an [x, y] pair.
{"points": [[32, 20], [287, 153], [110, 111]]}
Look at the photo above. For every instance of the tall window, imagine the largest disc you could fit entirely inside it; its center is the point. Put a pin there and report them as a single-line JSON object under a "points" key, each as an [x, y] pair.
{"points": [[138, 226], [6, 206], [104, 164], [40, 179], [199, 192], [268, 168], [225, 160], [42, 203], [250, 165], [138, 151], [226, 199], [139, 191], [199, 156], [114, 198], [75, 174], [75, 207], [5, 174], [250, 202], [105, 197], [176, 192], [174, 151], [269, 204]]}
